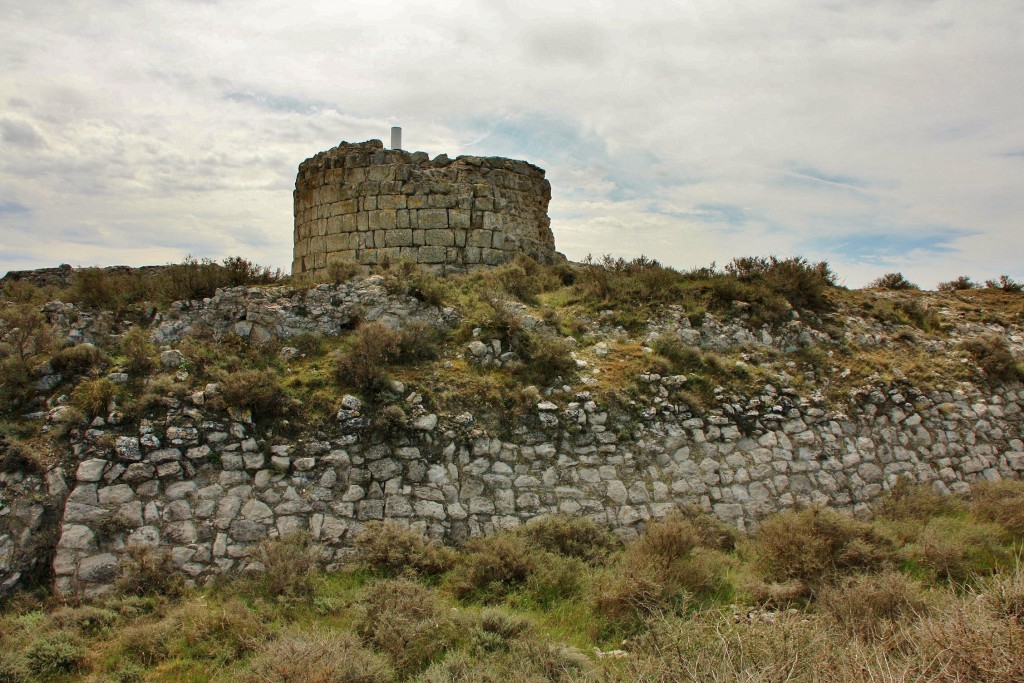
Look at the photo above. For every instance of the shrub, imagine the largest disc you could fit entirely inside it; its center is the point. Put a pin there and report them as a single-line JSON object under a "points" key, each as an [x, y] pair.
{"points": [[957, 550], [342, 271], [139, 352], [625, 598], [906, 500], [78, 359], [259, 391], [1001, 502], [149, 571], [959, 284], [992, 353], [893, 281], [16, 456], [492, 566], [373, 346], [1005, 284], [289, 566], [148, 643], [224, 631], [54, 653], [88, 620], [801, 282], [310, 344], [314, 655], [874, 605], [407, 621], [93, 396], [815, 544], [1004, 594], [405, 276], [392, 549], [576, 537], [547, 358]]}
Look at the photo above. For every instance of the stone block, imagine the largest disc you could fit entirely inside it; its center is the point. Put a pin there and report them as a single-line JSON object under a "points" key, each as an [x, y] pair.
{"points": [[478, 238], [493, 257], [398, 238], [390, 201], [458, 218], [437, 238], [417, 202], [428, 219], [431, 254]]}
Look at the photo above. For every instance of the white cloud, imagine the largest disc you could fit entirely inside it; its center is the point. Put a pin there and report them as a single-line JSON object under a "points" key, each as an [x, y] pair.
{"points": [[878, 135]]}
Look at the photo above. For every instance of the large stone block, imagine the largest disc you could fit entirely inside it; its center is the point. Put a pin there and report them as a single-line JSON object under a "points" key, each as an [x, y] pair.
{"points": [[443, 238], [431, 254], [429, 219], [398, 238], [391, 202], [458, 218]]}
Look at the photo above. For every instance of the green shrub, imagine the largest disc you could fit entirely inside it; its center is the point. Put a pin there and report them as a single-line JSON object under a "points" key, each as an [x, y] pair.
{"points": [[407, 621], [259, 391], [17, 456], [959, 284], [93, 396], [801, 282], [54, 653], [89, 620], [816, 544], [315, 655], [311, 344], [992, 353], [391, 549], [958, 550], [893, 281], [139, 352]]}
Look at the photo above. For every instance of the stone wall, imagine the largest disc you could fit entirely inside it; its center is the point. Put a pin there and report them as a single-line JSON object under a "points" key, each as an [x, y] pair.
{"points": [[207, 488], [362, 203]]}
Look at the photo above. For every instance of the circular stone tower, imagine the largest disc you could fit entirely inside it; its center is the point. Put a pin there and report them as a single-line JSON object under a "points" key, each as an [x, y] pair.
{"points": [[361, 203]]}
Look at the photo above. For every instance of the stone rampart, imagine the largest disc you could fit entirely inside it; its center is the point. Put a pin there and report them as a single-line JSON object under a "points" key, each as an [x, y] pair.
{"points": [[363, 204]]}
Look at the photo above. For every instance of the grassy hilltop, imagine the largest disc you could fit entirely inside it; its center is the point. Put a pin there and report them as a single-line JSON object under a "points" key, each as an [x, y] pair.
{"points": [[930, 589]]}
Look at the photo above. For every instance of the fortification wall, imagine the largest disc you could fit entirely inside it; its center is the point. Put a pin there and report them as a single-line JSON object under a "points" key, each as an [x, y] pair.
{"points": [[362, 203]]}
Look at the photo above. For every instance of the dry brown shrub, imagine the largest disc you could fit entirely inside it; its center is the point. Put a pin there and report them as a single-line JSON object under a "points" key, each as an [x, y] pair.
{"points": [[223, 631], [919, 502], [289, 566], [1001, 502], [315, 655], [874, 605], [93, 396], [259, 391], [815, 544], [149, 571], [393, 549], [147, 642], [1004, 593], [576, 537], [993, 355], [374, 345], [407, 621], [492, 566], [632, 594], [78, 359]]}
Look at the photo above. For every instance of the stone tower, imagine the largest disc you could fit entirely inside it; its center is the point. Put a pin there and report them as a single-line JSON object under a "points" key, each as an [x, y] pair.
{"points": [[361, 203]]}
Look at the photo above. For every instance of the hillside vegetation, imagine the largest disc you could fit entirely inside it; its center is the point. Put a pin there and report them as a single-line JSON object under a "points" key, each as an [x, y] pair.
{"points": [[931, 590]]}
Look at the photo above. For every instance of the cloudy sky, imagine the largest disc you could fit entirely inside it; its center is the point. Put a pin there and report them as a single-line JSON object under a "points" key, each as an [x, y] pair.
{"points": [[879, 135]]}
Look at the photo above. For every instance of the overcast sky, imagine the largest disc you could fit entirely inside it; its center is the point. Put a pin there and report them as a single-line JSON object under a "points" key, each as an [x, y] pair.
{"points": [[880, 136]]}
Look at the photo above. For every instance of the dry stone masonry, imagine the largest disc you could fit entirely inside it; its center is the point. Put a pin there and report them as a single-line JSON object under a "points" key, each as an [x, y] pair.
{"points": [[361, 203], [207, 486]]}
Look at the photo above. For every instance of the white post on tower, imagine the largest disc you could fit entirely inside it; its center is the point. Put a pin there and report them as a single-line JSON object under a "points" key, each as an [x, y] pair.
{"points": [[396, 137]]}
